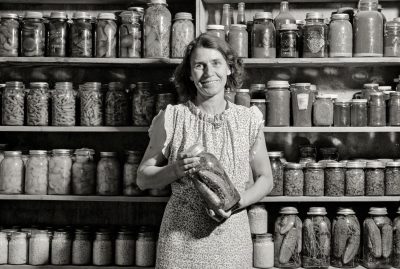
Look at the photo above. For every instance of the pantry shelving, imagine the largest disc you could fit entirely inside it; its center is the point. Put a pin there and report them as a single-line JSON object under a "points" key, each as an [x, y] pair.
{"points": [[9, 266]]}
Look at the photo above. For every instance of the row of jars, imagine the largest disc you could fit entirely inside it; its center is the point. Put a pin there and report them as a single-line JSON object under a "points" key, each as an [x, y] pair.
{"points": [[60, 173], [112, 106], [138, 35], [315, 242], [79, 247]]}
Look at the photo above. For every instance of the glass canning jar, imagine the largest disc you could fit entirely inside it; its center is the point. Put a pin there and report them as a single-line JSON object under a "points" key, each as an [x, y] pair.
{"points": [[125, 248], [163, 100], [340, 36], [116, 105], [278, 96], [334, 179], [63, 104], [145, 247], [238, 39], [263, 36], [277, 172], [368, 30], [377, 254], [315, 36], [355, 178], [61, 247], [18, 248], [3, 248], [80, 35], [288, 224], [103, 249], [288, 46], [216, 30], [369, 88], [108, 174], [130, 35], [33, 34], [229, 95], [293, 182], [84, 172], [394, 109], [36, 172], [60, 166], [143, 104], [263, 247], [39, 248], [396, 243], [131, 166], [314, 179], [37, 104], [375, 179], [106, 36], [82, 248], [57, 34], [258, 219], [376, 110], [257, 91], [323, 111], [308, 153], [11, 173], [242, 97], [392, 35], [13, 103], [359, 112], [182, 34], [342, 114], [317, 230], [157, 29], [392, 178], [302, 99], [261, 105], [346, 237], [9, 34]]}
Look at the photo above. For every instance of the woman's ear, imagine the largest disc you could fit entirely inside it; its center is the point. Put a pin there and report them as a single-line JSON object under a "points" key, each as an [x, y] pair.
{"points": [[229, 72]]}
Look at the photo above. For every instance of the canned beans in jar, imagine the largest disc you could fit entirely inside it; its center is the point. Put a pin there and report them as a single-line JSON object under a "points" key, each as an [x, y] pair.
{"points": [[116, 105], [13, 104]]}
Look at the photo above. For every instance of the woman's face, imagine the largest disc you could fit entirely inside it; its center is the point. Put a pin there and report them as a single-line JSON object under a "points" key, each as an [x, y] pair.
{"points": [[209, 71]]}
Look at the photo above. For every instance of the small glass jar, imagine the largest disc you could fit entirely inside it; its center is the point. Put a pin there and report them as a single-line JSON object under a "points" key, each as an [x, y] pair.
{"points": [[329, 154], [103, 249], [263, 36], [33, 35], [130, 35], [288, 46], [257, 91], [375, 179], [287, 225], [394, 109], [355, 178], [3, 248], [278, 96], [277, 173], [315, 36], [9, 34], [12, 173], [39, 248], [258, 219], [163, 100], [376, 110], [116, 105], [359, 112], [392, 35], [18, 248], [314, 179], [143, 104], [342, 114], [80, 35], [308, 153], [229, 95], [82, 248], [106, 36], [396, 245], [37, 104], [125, 248], [130, 187], [36, 172], [145, 248], [60, 166], [242, 97], [323, 111], [260, 104], [108, 174], [63, 104], [302, 100], [13, 103], [238, 39], [369, 88], [182, 34], [84, 172], [293, 182], [263, 248], [57, 34], [392, 178], [216, 30], [91, 104], [340, 36]]}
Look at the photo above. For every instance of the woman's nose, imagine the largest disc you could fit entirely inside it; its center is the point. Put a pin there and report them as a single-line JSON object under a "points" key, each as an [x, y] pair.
{"points": [[209, 69]]}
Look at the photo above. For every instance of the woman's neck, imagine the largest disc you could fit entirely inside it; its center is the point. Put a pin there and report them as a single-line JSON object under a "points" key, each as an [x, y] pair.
{"points": [[211, 105]]}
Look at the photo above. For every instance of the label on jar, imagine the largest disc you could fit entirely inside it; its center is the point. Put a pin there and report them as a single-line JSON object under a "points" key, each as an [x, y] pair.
{"points": [[302, 101]]}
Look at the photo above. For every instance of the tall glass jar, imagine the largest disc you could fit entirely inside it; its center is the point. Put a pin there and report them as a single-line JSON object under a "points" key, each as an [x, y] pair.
{"points": [[12, 173], [323, 111], [287, 226], [130, 35], [82, 248], [9, 33], [131, 166], [229, 95], [302, 99], [369, 88], [61, 247], [316, 239], [182, 34], [57, 34], [116, 105], [257, 91], [346, 236], [277, 173], [60, 166], [80, 35], [263, 248], [157, 29], [33, 34], [392, 36], [143, 104], [258, 219], [300, 25], [18, 248], [334, 179], [315, 36], [36, 172], [394, 109], [314, 179], [163, 100], [263, 36], [342, 114], [375, 179], [359, 112], [288, 46], [355, 178], [103, 249], [396, 243], [37, 105], [261, 105], [377, 110], [84, 172], [340, 36], [242, 97], [238, 39], [145, 248], [293, 181], [308, 153], [216, 30], [39, 248], [108, 174], [368, 30], [125, 248], [392, 178], [378, 231], [91, 104], [3, 248], [13, 104], [106, 36], [63, 104], [278, 96]]}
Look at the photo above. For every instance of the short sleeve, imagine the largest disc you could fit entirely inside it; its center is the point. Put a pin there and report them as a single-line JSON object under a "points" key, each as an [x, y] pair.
{"points": [[256, 124]]}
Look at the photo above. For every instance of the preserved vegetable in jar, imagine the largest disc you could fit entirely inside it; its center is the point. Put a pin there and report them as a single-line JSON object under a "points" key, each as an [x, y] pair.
{"points": [[242, 97], [82, 248], [60, 166], [39, 248], [38, 104], [359, 112], [375, 179], [263, 35], [143, 104], [106, 36], [163, 100], [157, 29], [260, 104], [145, 248], [314, 179], [278, 96], [57, 35], [116, 105], [18, 248], [80, 35], [11, 173], [323, 111], [36, 172], [182, 34], [340, 36], [216, 30], [293, 181], [258, 219], [61, 246], [33, 34], [84, 172], [9, 34], [288, 46], [103, 249], [229, 95], [392, 36], [392, 178], [63, 104], [376, 110], [287, 239], [3, 248], [355, 178], [130, 35], [238, 39], [302, 98], [108, 174], [263, 248], [13, 103], [315, 36], [394, 109], [396, 241], [131, 166], [277, 173], [342, 114], [125, 248]]}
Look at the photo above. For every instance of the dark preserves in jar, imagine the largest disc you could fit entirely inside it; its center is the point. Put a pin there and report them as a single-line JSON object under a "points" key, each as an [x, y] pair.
{"points": [[143, 102], [288, 46], [116, 105]]}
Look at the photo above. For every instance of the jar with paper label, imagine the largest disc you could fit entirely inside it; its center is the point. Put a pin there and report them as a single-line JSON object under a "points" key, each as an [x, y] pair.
{"points": [[314, 179], [263, 251], [359, 112], [3, 248], [288, 46], [342, 114], [131, 166], [61, 246], [130, 35], [103, 249], [106, 36], [394, 109], [261, 105], [277, 172], [302, 104], [37, 105], [278, 97], [340, 36], [375, 179], [12, 173], [392, 36], [18, 248], [216, 30], [39, 248], [377, 110], [263, 36], [323, 111], [163, 100], [108, 174], [63, 104], [33, 34], [145, 247], [238, 39], [315, 36], [334, 179], [91, 103], [258, 219], [9, 33], [82, 248], [80, 35], [355, 178], [84, 172], [13, 103], [116, 105], [60, 166], [143, 104], [36, 172], [392, 178], [182, 34], [293, 182], [57, 34], [242, 97], [125, 248]]}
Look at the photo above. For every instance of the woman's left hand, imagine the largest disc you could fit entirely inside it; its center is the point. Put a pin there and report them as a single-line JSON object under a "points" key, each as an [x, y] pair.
{"points": [[219, 215]]}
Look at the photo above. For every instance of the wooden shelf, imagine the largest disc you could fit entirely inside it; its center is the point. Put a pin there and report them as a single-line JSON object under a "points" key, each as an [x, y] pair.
{"points": [[299, 199], [368, 129], [78, 198], [73, 129], [278, 1], [9, 266]]}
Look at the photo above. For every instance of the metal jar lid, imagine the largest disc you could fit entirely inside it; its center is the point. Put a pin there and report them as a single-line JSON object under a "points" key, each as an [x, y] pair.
{"points": [[375, 164], [38, 85], [288, 26], [302, 84], [376, 93], [183, 16], [215, 27], [81, 15], [257, 86], [300, 22], [394, 93], [38, 152], [334, 165], [238, 27], [108, 154], [315, 165], [393, 164], [274, 154], [84, 152], [257, 101], [243, 90], [9, 16], [384, 88], [359, 100], [377, 211], [106, 16], [58, 15], [61, 151], [288, 210], [12, 153], [33, 15], [345, 211], [314, 16], [355, 164], [371, 85], [340, 16], [263, 15], [342, 103], [278, 84], [294, 166], [317, 211], [164, 2]]}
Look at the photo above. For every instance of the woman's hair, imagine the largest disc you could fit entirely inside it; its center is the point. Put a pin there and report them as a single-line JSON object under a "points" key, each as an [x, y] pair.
{"points": [[185, 87]]}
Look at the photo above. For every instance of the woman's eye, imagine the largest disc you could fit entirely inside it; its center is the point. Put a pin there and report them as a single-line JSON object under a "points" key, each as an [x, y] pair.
{"points": [[198, 66]]}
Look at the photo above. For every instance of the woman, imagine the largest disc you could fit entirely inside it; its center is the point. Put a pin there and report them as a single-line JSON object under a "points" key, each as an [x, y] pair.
{"points": [[189, 237]]}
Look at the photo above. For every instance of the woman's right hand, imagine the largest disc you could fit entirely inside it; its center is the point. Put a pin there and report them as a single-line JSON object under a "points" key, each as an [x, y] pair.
{"points": [[186, 164]]}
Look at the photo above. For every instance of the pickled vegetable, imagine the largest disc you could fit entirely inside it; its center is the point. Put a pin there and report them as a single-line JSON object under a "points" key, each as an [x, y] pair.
{"points": [[33, 35], [60, 172], [130, 36], [57, 35], [36, 173], [37, 104], [84, 173], [9, 35], [91, 99], [11, 173], [108, 174], [63, 105], [116, 105], [106, 36], [182, 34], [13, 104], [80, 36]]}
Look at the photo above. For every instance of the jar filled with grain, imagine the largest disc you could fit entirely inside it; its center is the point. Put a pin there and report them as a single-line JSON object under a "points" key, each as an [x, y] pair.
{"points": [[39, 248], [131, 166], [84, 172], [342, 114], [103, 249], [355, 178], [392, 178], [242, 97], [82, 248], [37, 104], [13, 104], [258, 219], [334, 179], [125, 248], [36, 172], [145, 247], [263, 251], [18, 248], [182, 33], [63, 104], [60, 167], [143, 104], [277, 172], [359, 112], [3, 248], [293, 182], [12, 173], [108, 174], [314, 179], [287, 252], [396, 243], [375, 179], [278, 96], [116, 105], [61, 246], [323, 111], [9, 31]]}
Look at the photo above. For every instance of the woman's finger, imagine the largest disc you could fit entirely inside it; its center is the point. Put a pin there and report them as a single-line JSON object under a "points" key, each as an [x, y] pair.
{"points": [[224, 214]]}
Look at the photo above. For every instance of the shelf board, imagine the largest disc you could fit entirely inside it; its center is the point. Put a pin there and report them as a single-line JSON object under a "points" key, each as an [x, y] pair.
{"points": [[368, 129], [73, 129], [291, 1], [9, 266], [78, 198], [97, 2], [299, 199]]}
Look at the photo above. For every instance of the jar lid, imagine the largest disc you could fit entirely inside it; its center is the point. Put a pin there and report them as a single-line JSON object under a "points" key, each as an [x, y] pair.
{"points": [[340, 16], [238, 26], [106, 16], [14, 84], [38, 85], [274, 153], [359, 101], [314, 15], [288, 210], [385, 88], [288, 26], [84, 151], [393, 164], [9, 16], [300, 22], [375, 164], [129, 13], [342, 103], [33, 15], [61, 151], [370, 85], [384, 161], [323, 96], [164, 2], [302, 84], [345, 211], [397, 19], [377, 211], [183, 16], [81, 15], [263, 15], [317, 211], [242, 90], [257, 86], [19, 234], [215, 27], [294, 166], [315, 165], [108, 154], [58, 15], [196, 149], [257, 101], [134, 152], [278, 84], [334, 165], [12, 153], [355, 164], [394, 93], [38, 152], [376, 93], [138, 9]]}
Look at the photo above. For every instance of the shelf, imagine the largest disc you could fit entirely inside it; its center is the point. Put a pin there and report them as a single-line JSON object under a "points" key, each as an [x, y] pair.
{"points": [[9, 266], [291, 1], [368, 129], [73, 129], [77, 198], [299, 199], [97, 2]]}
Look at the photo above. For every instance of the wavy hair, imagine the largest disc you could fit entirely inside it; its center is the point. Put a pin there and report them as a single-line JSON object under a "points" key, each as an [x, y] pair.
{"points": [[185, 87]]}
